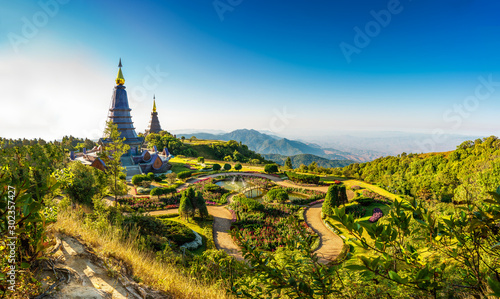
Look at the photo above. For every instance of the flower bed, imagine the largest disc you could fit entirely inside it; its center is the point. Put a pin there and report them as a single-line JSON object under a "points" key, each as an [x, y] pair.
{"points": [[147, 204], [377, 214], [211, 196], [268, 227], [357, 211]]}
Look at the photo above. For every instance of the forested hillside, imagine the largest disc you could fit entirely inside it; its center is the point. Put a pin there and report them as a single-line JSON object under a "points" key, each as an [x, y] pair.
{"points": [[217, 150], [307, 159], [442, 176]]}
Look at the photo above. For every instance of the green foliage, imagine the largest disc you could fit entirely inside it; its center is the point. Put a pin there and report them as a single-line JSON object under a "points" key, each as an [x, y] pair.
{"points": [[288, 163], [192, 201], [216, 167], [418, 248], [227, 167], [248, 204], [184, 174], [277, 194], [156, 233], [201, 160], [294, 272], [213, 188], [335, 196], [111, 155], [82, 186], [438, 176], [238, 166], [271, 168], [139, 178], [26, 181], [302, 178]]}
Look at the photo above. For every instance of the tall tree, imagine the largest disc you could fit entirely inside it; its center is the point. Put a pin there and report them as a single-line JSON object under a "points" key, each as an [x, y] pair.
{"points": [[288, 163], [111, 155]]}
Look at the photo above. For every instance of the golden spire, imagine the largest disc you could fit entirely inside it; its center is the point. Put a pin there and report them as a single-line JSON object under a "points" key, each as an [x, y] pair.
{"points": [[119, 79], [154, 104]]}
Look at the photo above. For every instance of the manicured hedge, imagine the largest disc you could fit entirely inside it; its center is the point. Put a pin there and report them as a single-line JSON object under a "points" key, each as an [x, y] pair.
{"points": [[278, 194], [184, 174], [139, 178], [302, 178]]}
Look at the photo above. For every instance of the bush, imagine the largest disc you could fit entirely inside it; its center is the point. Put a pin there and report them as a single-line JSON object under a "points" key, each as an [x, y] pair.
{"points": [[156, 232], [227, 166], [138, 178], [303, 178], [238, 166], [271, 168], [216, 167], [201, 160], [364, 201], [356, 210], [213, 188], [278, 194], [184, 174], [248, 204], [122, 176], [82, 187]]}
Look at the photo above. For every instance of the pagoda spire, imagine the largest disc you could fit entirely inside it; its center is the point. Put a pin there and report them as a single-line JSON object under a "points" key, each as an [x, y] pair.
{"points": [[154, 103], [119, 78]]}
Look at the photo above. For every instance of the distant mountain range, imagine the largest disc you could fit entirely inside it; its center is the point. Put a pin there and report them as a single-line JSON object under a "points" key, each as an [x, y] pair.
{"points": [[307, 159], [268, 144]]}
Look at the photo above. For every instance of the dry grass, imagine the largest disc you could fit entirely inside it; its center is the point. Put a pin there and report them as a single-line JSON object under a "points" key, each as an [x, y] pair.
{"points": [[159, 275]]}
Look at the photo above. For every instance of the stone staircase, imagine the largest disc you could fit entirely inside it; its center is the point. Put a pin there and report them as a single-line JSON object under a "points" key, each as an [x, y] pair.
{"points": [[131, 169]]}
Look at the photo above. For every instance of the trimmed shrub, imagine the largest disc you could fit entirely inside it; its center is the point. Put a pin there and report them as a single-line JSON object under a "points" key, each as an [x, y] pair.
{"points": [[227, 166], [278, 194], [248, 204], [357, 211], [335, 196], [303, 178], [184, 174], [139, 178], [216, 167], [271, 168], [213, 188], [238, 166]]}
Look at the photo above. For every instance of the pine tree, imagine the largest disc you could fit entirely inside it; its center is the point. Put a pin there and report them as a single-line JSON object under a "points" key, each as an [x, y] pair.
{"points": [[112, 153], [288, 163], [186, 207]]}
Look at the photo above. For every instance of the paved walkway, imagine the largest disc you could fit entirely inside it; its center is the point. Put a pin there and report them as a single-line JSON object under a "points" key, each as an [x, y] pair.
{"points": [[222, 224], [330, 245]]}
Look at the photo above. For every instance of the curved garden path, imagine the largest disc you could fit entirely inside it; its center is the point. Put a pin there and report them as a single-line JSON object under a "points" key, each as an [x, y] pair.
{"points": [[221, 226], [330, 245]]}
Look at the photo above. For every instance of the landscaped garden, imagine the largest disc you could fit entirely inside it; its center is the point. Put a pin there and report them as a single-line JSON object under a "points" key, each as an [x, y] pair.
{"points": [[264, 225]]}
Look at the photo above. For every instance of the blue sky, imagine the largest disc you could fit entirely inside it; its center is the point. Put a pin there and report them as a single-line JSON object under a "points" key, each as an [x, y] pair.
{"points": [[266, 65]]}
